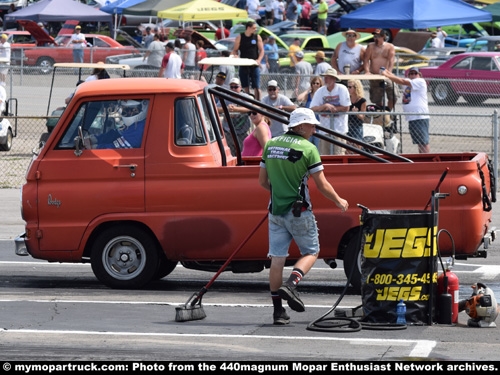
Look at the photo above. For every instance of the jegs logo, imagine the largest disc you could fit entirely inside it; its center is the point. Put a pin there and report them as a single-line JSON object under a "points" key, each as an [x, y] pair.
{"points": [[400, 243]]}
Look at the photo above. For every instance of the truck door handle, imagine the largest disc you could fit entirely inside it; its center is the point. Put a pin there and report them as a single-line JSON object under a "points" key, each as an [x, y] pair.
{"points": [[132, 167]]}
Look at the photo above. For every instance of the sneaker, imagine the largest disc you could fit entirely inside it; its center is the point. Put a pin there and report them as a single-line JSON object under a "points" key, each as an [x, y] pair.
{"points": [[281, 318], [291, 296]]}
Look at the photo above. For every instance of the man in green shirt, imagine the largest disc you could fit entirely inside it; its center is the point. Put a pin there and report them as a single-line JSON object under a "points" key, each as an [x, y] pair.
{"points": [[322, 15], [287, 162]]}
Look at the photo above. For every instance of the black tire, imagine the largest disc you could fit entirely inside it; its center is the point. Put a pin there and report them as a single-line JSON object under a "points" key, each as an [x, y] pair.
{"points": [[46, 64], [352, 258], [8, 143], [165, 267], [443, 94], [390, 37], [124, 257]]}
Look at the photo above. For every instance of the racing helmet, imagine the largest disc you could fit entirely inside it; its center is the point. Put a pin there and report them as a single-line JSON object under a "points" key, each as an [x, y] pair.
{"points": [[133, 111]]}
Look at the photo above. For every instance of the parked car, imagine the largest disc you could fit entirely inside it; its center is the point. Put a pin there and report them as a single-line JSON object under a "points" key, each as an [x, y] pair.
{"points": [[59, 50], [485, 43], [473, 75], [286, 26], [19, 39], [458, 40], [437, 56]]}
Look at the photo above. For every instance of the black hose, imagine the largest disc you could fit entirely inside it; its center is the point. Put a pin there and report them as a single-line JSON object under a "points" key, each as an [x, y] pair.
{"points": [[346, 324]]}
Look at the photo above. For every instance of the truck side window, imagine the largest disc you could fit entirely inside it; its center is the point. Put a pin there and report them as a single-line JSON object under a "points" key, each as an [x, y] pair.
{"points": [[188, 124], [109, 124]]}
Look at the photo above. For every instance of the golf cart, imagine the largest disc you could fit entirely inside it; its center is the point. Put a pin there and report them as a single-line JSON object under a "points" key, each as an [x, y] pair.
{"points": [[7, 131]]}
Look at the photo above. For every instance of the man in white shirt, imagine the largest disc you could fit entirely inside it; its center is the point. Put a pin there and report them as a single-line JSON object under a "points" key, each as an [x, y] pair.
{"points": [[415, 101], [253, 9], [171, 65], [78, 43], [441, 35], [435, 42], [4, 59], [331, 100], [269, 12]]}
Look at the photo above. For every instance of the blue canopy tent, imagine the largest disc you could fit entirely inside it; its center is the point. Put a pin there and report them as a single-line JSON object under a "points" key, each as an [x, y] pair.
{"points": [[116, 8], [414, 14]]}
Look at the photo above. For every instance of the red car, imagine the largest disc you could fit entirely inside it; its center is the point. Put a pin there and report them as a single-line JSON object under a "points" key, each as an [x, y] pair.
{"points": [[473, 75], [59, 50]]}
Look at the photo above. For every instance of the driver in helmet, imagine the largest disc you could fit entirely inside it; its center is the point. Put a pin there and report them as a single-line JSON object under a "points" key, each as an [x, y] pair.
{"points": [[129, 130]]}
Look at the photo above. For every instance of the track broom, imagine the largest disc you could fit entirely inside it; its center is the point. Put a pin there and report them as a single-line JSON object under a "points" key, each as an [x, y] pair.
{"points": [[193, 309]]}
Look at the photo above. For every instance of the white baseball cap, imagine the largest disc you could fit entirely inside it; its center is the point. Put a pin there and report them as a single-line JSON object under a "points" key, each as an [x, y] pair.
{"points": [[236, 81], [302, 116]]}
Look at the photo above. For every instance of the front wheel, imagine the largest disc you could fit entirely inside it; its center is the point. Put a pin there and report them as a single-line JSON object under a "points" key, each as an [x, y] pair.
{"points": [[352, 259], [45, 64], [124, 257]]}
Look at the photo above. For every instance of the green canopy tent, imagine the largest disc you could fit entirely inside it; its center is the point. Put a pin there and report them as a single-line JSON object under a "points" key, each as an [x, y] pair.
{"points": [[494, 9], [494, 25]]}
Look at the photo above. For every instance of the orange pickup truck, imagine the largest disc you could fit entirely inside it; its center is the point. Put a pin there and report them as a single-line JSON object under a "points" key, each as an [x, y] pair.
{"points": [[176, 194]]}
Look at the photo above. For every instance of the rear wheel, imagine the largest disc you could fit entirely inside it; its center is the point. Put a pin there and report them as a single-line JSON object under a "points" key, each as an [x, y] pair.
{"points": [[8, 141], [124, 257], [443, 94]]}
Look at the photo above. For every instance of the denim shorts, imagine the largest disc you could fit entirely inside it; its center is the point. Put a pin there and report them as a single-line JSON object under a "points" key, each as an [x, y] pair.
{"points": [[303, 230], [419, 131], [249, 73]]}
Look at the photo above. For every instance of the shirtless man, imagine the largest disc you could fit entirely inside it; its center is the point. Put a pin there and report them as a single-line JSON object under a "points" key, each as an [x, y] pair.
{"points": [[380, 54]]}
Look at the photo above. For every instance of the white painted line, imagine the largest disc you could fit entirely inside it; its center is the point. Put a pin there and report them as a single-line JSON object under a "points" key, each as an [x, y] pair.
{"points": [[422, 348]]}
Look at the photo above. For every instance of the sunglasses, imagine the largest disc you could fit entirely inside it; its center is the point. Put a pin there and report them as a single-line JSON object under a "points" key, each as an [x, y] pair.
{"points": [[271, 89], [412, 73], [316, 83], [252, 113], [351, 35], [350, 87], [233, 87]]}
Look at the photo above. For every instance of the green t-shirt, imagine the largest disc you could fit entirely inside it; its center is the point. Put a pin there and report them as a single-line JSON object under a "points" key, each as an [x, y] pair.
{"points": [[289, 160], [322, 7]]}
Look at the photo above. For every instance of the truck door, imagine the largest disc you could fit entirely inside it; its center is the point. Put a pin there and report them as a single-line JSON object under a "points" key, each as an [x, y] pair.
{"points": [[106, 178]]}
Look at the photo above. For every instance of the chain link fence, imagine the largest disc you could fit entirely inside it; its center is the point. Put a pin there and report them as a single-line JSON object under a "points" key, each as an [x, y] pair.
{"points": [[463, 126]]}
